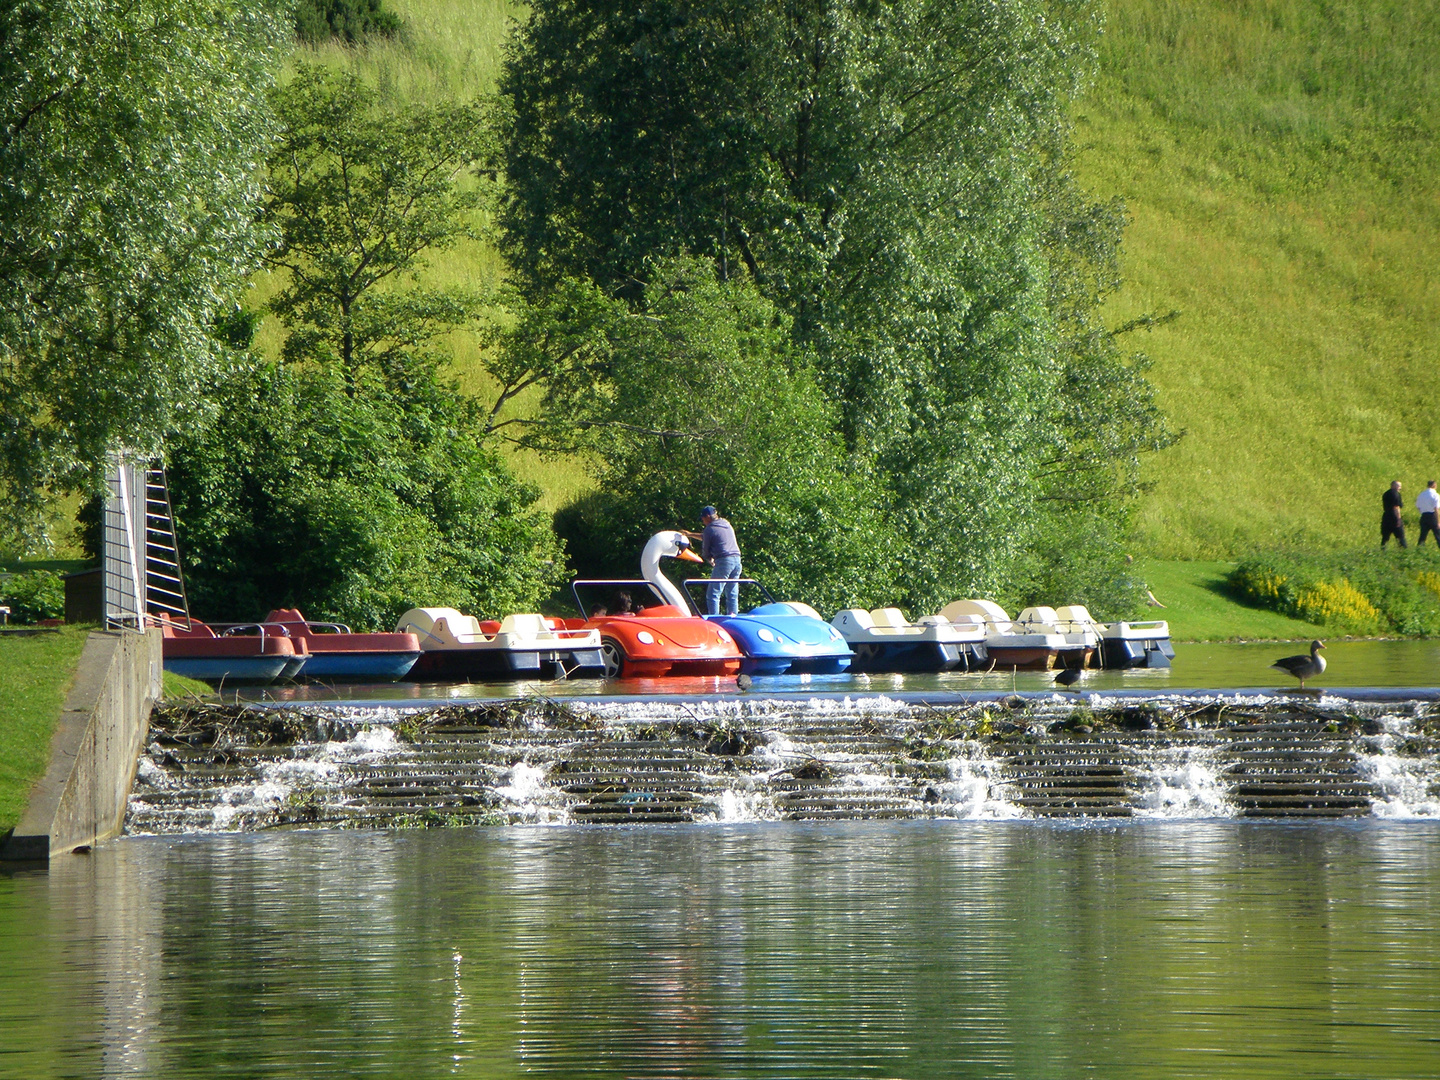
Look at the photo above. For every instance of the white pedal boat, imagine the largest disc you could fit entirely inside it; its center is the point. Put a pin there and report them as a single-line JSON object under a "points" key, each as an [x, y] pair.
{"points": [[522, 646], [1082, 639], [884, 640], [1009, 644], [1125, 644]]}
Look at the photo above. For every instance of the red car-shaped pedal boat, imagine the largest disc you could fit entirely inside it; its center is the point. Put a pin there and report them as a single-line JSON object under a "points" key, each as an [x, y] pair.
{"points": [[643, 636]]}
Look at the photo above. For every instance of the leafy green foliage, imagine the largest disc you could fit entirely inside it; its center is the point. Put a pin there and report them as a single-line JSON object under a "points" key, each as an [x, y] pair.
{"points": [[352, 500], [702, 398], [349, 20], [131, 141], [894, 179], [34, 595], [361, 198], [1356, 592]]}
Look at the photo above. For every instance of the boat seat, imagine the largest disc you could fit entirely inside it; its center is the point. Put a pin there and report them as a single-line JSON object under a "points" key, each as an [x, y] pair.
{"points": [[489, 627], [889, 616], [856, 617], [524, 625], [1079, 617]]}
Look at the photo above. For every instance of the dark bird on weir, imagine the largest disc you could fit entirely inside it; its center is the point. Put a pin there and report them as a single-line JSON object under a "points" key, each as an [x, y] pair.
{"points": [[1068, 676], [1304, 667]]}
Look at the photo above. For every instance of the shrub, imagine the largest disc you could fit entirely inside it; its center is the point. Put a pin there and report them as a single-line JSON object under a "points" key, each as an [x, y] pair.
{"points": [[349, 20], [1356, 592], [35, 595]]}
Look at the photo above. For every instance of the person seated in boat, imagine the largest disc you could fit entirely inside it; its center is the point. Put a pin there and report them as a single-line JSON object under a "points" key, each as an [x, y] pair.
{"points": [[623, 604], [598, 611]]}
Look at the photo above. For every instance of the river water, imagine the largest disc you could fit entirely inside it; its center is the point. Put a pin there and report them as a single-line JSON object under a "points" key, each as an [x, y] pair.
{"points": [[944, 949], [1197, 666]]}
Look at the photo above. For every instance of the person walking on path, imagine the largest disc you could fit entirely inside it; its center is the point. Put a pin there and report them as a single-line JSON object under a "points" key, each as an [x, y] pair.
{"points": [[719, 548], [1428, 503], [1392, 520]]}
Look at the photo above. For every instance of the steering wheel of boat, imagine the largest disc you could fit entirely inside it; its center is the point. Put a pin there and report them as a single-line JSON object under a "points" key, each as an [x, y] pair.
{"points": [[612, 655]]}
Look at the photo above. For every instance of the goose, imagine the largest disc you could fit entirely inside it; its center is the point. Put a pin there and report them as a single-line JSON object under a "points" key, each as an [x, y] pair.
{"points": [[1304, 667]]}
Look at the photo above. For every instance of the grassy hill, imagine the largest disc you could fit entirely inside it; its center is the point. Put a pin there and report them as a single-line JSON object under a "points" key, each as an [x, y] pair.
{"points": [[1279, 161]]}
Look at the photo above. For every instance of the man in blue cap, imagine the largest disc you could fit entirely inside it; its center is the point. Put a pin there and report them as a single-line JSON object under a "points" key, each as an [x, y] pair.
{"points": [[719, 548]]}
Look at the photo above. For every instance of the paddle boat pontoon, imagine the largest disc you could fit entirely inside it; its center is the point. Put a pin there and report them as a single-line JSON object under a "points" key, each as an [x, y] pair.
{"points": [[337, 653], [1009, 644], [884, 640], [1125, 644], [191, 648], [520, 646]]}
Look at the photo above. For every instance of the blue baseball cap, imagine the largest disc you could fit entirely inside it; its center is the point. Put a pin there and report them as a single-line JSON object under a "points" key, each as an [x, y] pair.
{"points": [[707, 511]]}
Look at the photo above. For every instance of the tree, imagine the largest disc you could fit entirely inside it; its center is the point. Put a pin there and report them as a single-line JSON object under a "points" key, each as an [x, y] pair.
{"points": [[698, 395], [360, 199], [132, 137], [351, 21], [352, 500], [887, 174]]}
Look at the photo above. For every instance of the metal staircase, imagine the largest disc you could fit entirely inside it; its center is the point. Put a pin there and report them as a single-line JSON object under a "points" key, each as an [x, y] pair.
{"points": [[164, 582], [141, 582]]}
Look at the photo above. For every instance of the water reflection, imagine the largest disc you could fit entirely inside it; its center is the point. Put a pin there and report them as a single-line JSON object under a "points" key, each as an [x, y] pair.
{"points": [[1197, 666], [917, 950]]}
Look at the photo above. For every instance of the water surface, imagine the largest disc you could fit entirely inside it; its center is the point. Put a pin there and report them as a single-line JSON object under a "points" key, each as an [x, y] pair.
{"points": [[920, 949]]}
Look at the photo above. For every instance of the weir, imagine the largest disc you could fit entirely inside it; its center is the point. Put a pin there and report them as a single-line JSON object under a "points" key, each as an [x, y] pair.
{"points": [[238, 767]]}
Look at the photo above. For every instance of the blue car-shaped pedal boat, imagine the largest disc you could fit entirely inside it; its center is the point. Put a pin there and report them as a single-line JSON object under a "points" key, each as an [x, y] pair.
{"points": [[779, 638]]}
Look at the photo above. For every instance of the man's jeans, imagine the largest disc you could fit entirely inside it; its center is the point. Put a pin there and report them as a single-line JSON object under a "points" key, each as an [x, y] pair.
{"points": [[726, 566]]}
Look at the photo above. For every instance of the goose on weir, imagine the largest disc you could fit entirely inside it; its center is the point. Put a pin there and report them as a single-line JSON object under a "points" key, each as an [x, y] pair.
{"points": [[1304, 667]]}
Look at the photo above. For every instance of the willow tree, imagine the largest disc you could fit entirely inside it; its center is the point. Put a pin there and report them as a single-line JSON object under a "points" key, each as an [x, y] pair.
{"points": [[132, 143], [893, 176]]}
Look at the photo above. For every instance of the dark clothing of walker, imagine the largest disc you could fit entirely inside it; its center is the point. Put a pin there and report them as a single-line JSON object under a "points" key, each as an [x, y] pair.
{"points": [[1391, 521], [1427, 528]]}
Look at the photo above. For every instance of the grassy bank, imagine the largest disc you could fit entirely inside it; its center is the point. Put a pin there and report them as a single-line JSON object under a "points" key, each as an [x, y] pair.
{"points": [[35, 675], [1200, 606]]}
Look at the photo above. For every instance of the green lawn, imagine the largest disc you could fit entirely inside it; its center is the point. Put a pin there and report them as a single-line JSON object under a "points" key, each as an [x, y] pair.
{"points": [[1199, 608], [35, 675]]}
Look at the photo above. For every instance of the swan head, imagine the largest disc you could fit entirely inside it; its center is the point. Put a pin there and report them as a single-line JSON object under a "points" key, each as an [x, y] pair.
{"points": [[672, 545]]}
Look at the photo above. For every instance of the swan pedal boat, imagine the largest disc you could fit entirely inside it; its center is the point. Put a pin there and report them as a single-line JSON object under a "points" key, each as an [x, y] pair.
{"points": [[1125, 644], [1009, 644], [779, 637], [519, 646], [240, 653], [884, 640], [658, 640], [337, 653]]}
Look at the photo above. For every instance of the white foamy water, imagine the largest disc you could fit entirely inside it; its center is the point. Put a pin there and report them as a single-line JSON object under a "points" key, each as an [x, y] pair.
{"points": [[1182, 783]]}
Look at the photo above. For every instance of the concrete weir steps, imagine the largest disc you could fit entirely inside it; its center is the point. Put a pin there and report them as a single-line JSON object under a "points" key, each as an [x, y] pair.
{"points": [[238, 767]]}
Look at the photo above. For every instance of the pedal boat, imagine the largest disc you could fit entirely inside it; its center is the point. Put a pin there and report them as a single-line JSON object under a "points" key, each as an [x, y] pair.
{"points": [[194, 650], [1008, 643], [885, 641], [1126, 644], [1082, 641], [776, 638], [337, 653], [519, 646], [663, 638], [780, 637]]}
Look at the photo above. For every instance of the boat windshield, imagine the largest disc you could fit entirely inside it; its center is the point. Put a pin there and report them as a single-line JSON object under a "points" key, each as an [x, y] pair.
{"points": [[598, 597]]}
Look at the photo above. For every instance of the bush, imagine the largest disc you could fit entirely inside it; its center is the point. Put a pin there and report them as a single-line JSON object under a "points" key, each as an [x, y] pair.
{"points": [[349, 20], [35, 595], [1358, 592]]}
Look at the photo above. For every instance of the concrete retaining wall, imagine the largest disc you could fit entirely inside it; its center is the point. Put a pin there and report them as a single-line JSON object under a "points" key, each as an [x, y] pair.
{"points": [[81, 799]]}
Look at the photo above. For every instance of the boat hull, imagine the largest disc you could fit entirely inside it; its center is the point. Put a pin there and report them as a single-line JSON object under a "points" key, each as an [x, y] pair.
{"points": [[1124, 653], [383, 666], [909, 656], [437, 665], [230, 669], [1023, 657]]}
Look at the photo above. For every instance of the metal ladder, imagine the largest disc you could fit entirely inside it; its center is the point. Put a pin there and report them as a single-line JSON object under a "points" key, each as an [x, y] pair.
{"points": [[164, 582]]}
